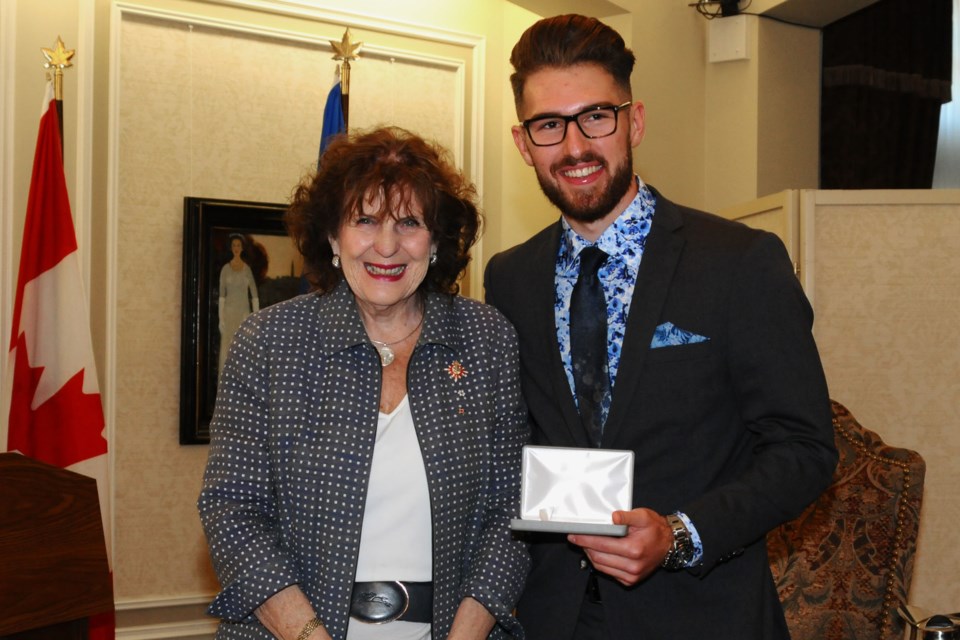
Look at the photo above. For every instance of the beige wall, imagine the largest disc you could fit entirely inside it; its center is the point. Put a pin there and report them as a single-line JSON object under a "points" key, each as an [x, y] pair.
{"points": [[668, 39], [883, 271], [788, 111], [21, 111], [524, 209], [763, 113]]}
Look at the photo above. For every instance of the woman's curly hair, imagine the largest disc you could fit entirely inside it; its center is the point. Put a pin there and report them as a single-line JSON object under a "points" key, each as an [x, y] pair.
{"points": [[408, 172]]}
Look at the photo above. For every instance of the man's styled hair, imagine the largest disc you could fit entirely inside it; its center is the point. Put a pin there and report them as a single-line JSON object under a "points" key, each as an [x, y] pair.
{"points": [[567, 40]]}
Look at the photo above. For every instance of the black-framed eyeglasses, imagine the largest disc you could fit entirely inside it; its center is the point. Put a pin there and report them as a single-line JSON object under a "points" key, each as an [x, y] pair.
{"points": [[594, 122]]}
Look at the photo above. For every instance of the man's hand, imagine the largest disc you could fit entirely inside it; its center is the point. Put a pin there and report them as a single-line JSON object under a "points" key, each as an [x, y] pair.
{"points": [[633, 557]]}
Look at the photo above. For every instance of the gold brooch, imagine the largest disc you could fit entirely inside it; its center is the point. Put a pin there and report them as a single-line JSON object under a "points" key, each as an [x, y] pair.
{"points": [[456, 370]]}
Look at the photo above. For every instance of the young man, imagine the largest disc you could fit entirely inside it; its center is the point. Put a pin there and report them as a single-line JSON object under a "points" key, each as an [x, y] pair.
{"points": [[709, 374]]}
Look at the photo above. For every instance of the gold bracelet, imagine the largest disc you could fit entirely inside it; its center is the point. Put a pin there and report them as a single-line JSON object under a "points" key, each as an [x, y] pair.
{"points": [[309, 628]]}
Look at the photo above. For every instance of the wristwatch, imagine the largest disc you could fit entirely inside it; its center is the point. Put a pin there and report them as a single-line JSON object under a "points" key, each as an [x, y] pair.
{"points": [[681, 553]]}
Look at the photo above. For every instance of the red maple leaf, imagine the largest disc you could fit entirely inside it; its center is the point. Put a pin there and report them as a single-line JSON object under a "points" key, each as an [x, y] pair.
{"points": [[66, 429]]}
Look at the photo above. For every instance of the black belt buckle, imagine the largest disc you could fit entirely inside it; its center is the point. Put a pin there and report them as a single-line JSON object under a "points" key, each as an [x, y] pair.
{"points": [[379, 602]]}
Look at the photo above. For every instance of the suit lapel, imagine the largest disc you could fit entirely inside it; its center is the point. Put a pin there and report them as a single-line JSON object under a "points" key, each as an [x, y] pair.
{"points": [[660, 257], [542, 266]]}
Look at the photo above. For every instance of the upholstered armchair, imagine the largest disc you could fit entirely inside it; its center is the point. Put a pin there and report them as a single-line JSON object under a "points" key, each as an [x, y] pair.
{"points": [[843, 567]]}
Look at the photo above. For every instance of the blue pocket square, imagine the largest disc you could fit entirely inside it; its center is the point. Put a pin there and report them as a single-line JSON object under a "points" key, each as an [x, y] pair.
{"points": [[669, 335]]}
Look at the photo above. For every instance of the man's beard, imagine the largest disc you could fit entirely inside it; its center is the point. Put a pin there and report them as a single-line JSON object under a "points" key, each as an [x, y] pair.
{"points": [[589, 207]]}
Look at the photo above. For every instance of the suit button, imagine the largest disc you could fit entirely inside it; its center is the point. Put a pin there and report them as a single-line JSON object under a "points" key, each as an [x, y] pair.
{"points": [[584, 565]]}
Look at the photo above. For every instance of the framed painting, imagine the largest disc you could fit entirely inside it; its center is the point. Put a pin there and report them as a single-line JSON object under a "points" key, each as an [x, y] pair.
{"points": [[237, 258]]}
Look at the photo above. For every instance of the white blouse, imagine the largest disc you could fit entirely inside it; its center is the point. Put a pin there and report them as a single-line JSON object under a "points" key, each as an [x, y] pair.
{"points": [[396, 542]]}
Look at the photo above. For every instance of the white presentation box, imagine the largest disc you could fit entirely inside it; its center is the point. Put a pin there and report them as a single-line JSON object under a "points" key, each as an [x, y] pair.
{"points": [[573, 490]]}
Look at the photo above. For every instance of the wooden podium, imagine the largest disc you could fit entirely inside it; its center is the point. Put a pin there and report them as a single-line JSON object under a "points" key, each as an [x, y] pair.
{"points": [[53, 560]]}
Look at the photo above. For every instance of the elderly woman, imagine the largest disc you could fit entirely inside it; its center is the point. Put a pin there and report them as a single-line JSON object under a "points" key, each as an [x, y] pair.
{"points": [[365, 448]]}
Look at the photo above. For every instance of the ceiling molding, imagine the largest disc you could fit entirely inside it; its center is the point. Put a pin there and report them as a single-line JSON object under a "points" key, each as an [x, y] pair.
{"points": [[594, 8], [812, 13]]}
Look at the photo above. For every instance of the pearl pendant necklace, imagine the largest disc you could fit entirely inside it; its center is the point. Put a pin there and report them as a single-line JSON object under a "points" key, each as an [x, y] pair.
{"points": [[387, 356]]}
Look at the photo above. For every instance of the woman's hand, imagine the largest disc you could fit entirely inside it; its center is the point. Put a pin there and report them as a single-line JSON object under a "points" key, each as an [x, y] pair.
{"points": [[472, 622], [286, 612]]}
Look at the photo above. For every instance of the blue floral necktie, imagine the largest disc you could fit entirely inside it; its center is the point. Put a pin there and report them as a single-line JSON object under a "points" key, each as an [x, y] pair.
{"points": [[588, 342]]}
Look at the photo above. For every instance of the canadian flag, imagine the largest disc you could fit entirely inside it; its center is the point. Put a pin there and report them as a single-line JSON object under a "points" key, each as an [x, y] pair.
{"points": [[54, 412]]}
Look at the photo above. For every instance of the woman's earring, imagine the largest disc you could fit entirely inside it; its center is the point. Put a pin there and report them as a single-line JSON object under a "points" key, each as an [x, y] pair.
{"points": [[336, 261], [433, 258]]}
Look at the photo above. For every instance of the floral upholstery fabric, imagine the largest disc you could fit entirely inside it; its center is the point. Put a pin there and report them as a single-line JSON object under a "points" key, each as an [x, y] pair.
{"points": [[843, 567]]}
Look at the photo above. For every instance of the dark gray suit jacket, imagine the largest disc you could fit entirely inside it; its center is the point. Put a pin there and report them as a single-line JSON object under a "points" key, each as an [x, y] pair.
{"points": [[292, 440], [735, 431]]}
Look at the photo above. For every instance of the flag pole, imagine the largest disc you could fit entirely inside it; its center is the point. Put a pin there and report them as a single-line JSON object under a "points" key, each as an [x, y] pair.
{"points": [[57, 419], [344, 52], [58, 59]]}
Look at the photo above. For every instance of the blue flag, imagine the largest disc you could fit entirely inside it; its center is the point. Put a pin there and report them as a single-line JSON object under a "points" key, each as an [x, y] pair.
{"points": [[333, 121]]}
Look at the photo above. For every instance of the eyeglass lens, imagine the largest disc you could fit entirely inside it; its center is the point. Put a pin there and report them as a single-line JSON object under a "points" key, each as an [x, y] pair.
{"points": [[596, 122]]}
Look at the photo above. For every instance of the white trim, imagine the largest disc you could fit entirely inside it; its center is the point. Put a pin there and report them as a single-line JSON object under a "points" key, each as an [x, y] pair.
{"points": [[82, 208], [456, 65], [189, 629], [284, 34], [886, 196], [109, 394], [310, 10], [808, 211], [186, 628], [8, 41], [136, 604], [476, 158], [83, 181]]}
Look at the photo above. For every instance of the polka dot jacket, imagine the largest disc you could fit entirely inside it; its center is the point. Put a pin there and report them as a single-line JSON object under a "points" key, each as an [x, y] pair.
{"points": [[292, 441]]}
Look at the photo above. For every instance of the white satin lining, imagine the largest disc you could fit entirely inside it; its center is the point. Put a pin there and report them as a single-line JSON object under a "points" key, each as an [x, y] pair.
{"points": [[575, 485]]}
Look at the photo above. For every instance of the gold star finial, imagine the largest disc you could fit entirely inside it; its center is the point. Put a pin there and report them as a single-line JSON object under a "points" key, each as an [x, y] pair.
{"points": [[58, 57], [345, 50]]}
